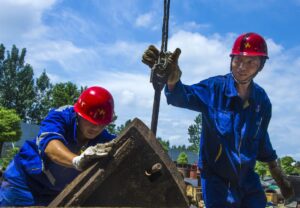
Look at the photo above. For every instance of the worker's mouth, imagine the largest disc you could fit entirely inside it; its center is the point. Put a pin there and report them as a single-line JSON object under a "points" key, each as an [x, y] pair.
{"points": [[92, 133]]}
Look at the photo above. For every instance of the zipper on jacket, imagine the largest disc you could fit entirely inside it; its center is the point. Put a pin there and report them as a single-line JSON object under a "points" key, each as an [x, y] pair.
{"points": [[259, 124], [240, 144]]}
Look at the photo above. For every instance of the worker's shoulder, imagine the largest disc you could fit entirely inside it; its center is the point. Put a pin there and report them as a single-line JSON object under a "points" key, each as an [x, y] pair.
{"points": [[260, 94], [216, 81], [65, 108], [64, 113]]}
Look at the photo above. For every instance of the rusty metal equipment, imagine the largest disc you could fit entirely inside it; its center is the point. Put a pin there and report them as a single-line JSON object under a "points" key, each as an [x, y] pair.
{"points": [[138, 174]]}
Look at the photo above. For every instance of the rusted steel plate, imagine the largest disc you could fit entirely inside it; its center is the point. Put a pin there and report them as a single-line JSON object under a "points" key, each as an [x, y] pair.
{"points": [[139, 174]]}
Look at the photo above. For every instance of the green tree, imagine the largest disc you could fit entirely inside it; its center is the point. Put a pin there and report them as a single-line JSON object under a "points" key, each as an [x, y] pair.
{"points": [[112, 127], [194, 132], [182, 158], [42, 100], [16, 82], [181, 148], [64, 94], [123, 126], [9, 154], [261, 169], [10, 129], [165, 144], [288, 165]]}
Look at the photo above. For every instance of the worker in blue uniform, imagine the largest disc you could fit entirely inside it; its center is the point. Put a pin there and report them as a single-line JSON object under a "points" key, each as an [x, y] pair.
{"points": [[235, 117], [70, 138]]}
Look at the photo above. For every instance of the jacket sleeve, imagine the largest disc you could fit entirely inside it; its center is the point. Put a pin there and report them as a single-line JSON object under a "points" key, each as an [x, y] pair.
{"points": [[53, 127], [266, 153], [194, 97]]}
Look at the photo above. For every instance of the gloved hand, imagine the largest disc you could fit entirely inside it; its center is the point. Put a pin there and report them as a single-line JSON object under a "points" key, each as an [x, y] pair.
{"points": [[91, 153], [281, 180], [150, 58], [175, 72]]}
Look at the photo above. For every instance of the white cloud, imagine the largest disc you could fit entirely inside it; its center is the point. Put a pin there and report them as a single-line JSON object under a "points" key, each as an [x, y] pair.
{"points": [[273, 48], [191, 26], [59, 51], [17, 18], [127, 97], [144, 20], [201, 56]]}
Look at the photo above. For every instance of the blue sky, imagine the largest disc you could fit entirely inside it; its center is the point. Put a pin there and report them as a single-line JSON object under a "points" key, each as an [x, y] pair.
{"points": [[97, 42]]}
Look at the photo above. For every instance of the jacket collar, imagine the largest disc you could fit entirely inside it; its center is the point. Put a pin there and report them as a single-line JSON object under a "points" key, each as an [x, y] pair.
{"points": [[231, 91]]}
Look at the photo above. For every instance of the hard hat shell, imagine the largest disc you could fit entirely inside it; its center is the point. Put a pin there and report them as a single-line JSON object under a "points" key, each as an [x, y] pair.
{"points": [[250, 44], [96, 105]]}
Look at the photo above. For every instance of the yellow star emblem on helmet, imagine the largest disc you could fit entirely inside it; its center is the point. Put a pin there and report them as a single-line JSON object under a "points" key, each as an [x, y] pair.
{"points": [[99, 114], [247, 45]]}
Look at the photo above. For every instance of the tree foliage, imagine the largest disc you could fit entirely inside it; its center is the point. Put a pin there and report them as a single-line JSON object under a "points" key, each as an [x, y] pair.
{"points": [[288, 165], [16, 82], [10, 129], [64, 94], [181, 148], [165, 144], [42, 100], [261, 169], [114, 129], [194, 132], [182, 158], [123, 126]]}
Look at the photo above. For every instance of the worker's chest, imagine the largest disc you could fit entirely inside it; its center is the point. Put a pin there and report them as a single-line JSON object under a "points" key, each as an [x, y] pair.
{"points": [[237, 125]]}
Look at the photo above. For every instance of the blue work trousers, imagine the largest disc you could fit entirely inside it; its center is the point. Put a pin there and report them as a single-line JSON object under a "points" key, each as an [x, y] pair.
{"points": [[219, 193]]}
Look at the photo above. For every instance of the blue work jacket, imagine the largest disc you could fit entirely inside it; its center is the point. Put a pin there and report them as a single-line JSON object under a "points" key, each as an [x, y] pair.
{"points": [[234, 134], [32, 170]]}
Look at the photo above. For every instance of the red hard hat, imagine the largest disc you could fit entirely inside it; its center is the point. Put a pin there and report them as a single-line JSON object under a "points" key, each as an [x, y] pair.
{"points": [[250, 44], [96, 105]]}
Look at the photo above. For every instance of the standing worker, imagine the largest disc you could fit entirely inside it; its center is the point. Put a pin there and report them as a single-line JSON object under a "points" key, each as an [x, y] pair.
{"points": [[70, 137], [235, 117]]}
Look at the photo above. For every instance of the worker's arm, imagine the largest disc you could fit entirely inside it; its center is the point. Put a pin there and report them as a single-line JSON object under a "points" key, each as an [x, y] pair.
{"points": [[59, 153], [281, 179]]}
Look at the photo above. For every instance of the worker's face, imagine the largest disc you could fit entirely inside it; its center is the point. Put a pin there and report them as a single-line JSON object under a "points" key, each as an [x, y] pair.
{"points": [[88, 129], [245, 67]]}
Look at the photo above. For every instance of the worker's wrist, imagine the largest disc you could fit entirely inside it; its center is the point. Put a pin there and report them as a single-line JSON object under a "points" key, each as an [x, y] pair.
{"points": [[278, 175], [171, 87], [272, 165], [76, 162]]}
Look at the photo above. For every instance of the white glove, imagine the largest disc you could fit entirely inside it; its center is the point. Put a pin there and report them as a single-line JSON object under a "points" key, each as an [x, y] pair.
{"points": [[91, 153]]}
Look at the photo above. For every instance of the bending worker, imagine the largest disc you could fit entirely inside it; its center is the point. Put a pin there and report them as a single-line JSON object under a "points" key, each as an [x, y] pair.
{"points": [[235, 116], [70, 137]]}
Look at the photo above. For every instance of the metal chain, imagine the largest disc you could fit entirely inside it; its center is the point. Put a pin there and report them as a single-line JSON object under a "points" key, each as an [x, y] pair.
{"points": [[159, 73]]}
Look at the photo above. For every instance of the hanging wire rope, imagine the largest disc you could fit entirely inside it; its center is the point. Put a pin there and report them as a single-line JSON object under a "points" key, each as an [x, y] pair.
{"points": [[159, 73]]}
